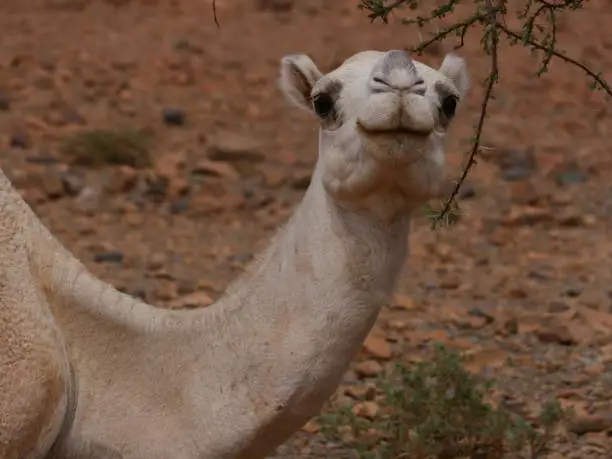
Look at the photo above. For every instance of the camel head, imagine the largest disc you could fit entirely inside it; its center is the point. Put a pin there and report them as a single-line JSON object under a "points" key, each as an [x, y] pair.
{"points": [[383, 117]]}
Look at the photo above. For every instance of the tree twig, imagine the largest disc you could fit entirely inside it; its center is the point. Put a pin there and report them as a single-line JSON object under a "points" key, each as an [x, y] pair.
{"points": [[214, 8], [595, 76], [491, 34], [490, 15]]}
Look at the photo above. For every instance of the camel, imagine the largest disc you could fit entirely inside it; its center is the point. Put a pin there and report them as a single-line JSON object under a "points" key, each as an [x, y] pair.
{"points": [[88, 372]]}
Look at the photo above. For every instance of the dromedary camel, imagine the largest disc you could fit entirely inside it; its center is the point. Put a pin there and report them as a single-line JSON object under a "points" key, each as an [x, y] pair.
{"points": [[87, 372]]}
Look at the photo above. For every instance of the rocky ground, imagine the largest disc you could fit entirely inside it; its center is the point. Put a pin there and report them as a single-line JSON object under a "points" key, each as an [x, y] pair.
{"points": [[523, 282]]}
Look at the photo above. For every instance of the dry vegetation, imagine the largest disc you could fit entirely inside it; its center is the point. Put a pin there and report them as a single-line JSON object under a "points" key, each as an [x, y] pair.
{"points": [[518, 291]]}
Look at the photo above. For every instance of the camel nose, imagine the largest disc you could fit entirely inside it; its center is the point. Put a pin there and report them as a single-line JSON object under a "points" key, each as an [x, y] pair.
{"points": [[395, 71]]}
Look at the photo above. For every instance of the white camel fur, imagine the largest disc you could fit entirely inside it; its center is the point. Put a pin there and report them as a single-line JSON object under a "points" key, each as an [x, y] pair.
{"points": [[87, 372]]}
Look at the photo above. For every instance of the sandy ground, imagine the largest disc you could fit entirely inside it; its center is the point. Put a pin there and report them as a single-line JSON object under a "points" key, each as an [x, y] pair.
{"points": [[524, 278]]}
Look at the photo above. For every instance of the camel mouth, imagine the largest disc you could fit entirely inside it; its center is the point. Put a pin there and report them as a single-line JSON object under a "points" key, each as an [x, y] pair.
{"points": [[400, 131]]}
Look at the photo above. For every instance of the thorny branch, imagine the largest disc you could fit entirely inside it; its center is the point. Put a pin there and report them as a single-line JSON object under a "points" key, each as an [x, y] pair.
{"points": [[214, 8], [538, 32], [490, 41]]}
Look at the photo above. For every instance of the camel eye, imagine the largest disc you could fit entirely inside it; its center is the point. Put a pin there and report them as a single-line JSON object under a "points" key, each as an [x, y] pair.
{"points": [[323, 104], [449, 105]]}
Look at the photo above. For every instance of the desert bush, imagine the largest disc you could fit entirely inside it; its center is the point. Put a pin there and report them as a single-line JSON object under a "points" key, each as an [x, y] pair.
{"points": [[98, 147], [436, 409]]}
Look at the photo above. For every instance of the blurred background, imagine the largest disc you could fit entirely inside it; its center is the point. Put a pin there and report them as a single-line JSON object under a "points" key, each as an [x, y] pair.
{"points": [[158, 149]]}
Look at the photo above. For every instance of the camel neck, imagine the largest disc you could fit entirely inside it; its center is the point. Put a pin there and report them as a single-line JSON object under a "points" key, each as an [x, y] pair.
{"points": [[300, 314]]}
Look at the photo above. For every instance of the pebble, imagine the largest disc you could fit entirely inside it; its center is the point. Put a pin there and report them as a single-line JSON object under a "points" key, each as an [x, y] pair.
{"points": [[5, 102], [368, 368], [173, 116], [377, 346], [20, 140], [113, 256], [229, 146]]}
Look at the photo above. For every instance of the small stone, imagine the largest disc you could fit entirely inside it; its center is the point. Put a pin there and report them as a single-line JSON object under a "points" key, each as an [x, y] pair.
{"points": [[570, 174], [423, 336], [157, 261], [401, 301], [524, 192], [510, 326], [20, 140], [467, 191], [516, 292], [397, 324], [173, 116], [276, 5], [444, 252], [606, 354], [183, 44], [573, 291], [258, 201], [515, 172], [72, 183], [70, 116], [570, 217], [169, 166], [88, 199], [589, 220], [166, 290], [235, 147], [366, 409], [472, 322], [192, 300], [44, 82], [52, 184], [356, 392], [377, 346], [556, 333], [207, 285], [123, 63], [178, 187], [450, 282], [112, 256], [516, 164], [301, 180], [557, 307], [204, 204], [583, 423], [527, 216], [274, 177], [241, 258], [163, 274], [34, 196], [43, 159], [368, 368], [5, 102], [479, 359], [594, 370], [127, 177], [180, 204], [477, 312], [187, 287], [311, 427], [216, 168]]}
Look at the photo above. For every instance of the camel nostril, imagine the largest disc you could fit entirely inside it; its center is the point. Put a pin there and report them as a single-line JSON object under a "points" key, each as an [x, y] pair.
{"points": [[397, 82], [380, 80]]}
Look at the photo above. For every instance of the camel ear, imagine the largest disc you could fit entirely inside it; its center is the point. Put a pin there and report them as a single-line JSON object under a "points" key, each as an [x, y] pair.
{"points": [[298, 74], [455, 69]]}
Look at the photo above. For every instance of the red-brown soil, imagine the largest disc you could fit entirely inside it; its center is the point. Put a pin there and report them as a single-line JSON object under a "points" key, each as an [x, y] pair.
{"points": [[524, 278]]}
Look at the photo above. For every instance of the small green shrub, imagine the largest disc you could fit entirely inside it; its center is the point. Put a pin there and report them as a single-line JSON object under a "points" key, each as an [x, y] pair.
{"points": [[98, 147], [438, 410]]}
